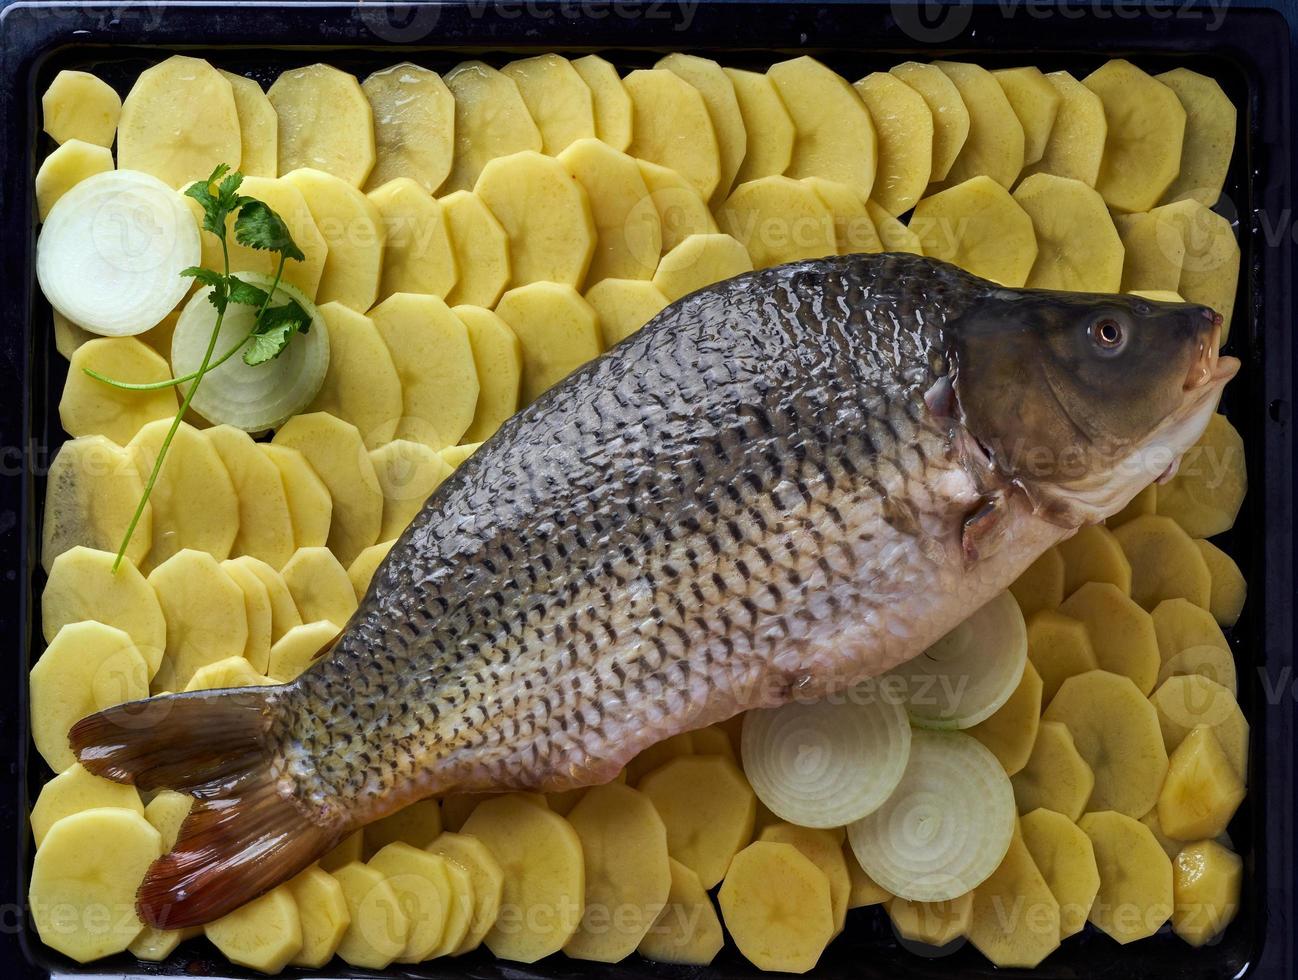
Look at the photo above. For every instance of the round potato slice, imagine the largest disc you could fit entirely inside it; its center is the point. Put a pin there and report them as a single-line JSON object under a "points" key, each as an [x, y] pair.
{"points": [[903, 123], [1078, 247], [325, 122], [825, 849], [777, 907], [1012, 730], [361, 385], [74, 790], [723, 109], [66, 167], [263, 935], [1209, 136], [687, 931], [1229, 590], [1093, 554], [91, 407], [854, 229], [1015, 940], [612, 105], [379, 926], [768, 127], [978, 226], [265, 525], [1210, 264], [625, 305], [558, 99], [1205, 495], [670, 126], [659, 754], [80, 106], [1066, 859], [408, 472], [1041, 586], [491, 120], [699, 261], [995, 146], [486, 878], [68, 337], [319, 586], [498, 358], [362, 570], [322, 915], [1036, 104], [310, 508], [681, 211], [414, 126], [1165, 562], [1212, 662], [204, 609], [931, 923], [1135, 895], [258, 127], [418, 256], [481, 250], [1075, 146], [1122, 634], [353, 230], [1056, 776], [1202, 790], [231, 672], [1188, 701], [1153, 257], [628, 236], [779, 220], [1059, 648], [422, 887], [1206, 886], [950, 114], [299, 648], [283, 613], [556, 329], [91, 494]]}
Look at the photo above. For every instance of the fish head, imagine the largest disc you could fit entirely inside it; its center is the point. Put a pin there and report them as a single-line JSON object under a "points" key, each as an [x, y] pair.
{"points": [[1084, 400]]}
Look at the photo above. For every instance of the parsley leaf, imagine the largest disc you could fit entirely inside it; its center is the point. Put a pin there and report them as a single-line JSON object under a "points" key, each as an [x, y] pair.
{"points": [[275, 328], [261, 228]]}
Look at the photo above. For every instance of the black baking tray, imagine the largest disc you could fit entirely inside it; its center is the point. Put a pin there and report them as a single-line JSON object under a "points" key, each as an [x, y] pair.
{"points": [[1247, 50]]}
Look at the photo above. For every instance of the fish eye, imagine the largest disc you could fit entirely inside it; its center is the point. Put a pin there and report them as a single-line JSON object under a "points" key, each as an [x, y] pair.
{"points": [[1107, 335]]}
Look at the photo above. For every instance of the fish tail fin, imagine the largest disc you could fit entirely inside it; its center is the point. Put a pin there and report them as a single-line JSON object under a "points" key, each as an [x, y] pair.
{"points": [[243, 836]]}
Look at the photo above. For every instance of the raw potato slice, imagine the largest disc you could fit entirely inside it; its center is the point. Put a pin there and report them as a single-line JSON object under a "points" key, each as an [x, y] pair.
{"points": [[541, 858], [1056, 776], [994, 147], [91, 493], [1093, 554], [455, 455], [1011, 732], [193, 500], [74, 790], [263, 935], [708, 808], [361, 385], [557, 330], [825, 850], [76, 879], [1146, 501], [610, 102], [864, 891], [323, 916], [777, 908], [546, 216], [231, 672], [1209, 137], [325, 122], [350, 848], [628, 236], [722, 104], [486, 878], [1153, 255], [670, 126], [1116, 730], [1135, 896], [418, 254], [1021, 940], [1229, 590], [659, 754], [258, 127], [459, 915], [1066, 859], [408, 473], [1165, 562], [835, 137], [68, 336], [628, 876], [66, 167], [1036, 104], [265, 526], [713, 740], [854, 230], [205, 616], [83, 586], [376, 934], [779, 220], [1078, 247], [361, 571], [558, 100], [1146, 127], [480, 248], [699, 261], [950, 114], [1186, 702], [903, 123], [1212, 662], [283, 613], [767, 125], [931, 923], [1075, 148], [1210, 267], [422, 887], [91, 407], [681, 211], [688, 931], [1205, 495], [80, 106], [1122, 634], [625, 305], [418, 825], [491, 120], [155, 945], [337, 454], [1202, 790], [414, 126], [1206, 881], [430, 349], [498, 359], [353, 230], [299, 648], [979, 227], [1059, 648], [320, 586], [1041, 586], [156, 131], [310, 507]]}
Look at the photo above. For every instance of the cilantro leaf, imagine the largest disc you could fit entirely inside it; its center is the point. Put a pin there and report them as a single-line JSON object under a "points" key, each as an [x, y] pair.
{"points": [[207, 277], [261, 228], [263, 347], [217, 207], [245, 293]]}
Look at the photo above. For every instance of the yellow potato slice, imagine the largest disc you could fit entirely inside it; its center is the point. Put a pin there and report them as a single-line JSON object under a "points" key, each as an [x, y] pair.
{"points": [[670, 126], [325, 122], [156, 131], [625, 305], [1135, 896], [864, 890], [931, 923], [77, 880], [414, 126], [74, 790], [91, 407], [91, 493], [1058, 648], [361, 571], [1209, 137], [1180, 625], [978, 226], [258, 127], [1094, 554], [265, 524], [1116, 730], [1205, 495], [779, 220], [1202, 790], [379, 926], [80, 106], [155, 945], [1165, 562], [299, 648], [263, 935], [497, 357], [628, 235], [322, 913], [204, 609], [1035, 102], [319, 586], [1191, 700], [354, 230], [455, 455], [1212, 662], [361, 385], [546, 216], [708, 808], [350, 848], [628, 876], [610, 102], [557, 98], [283, 612], [1153, 255], [1146, 127], [1066, 859], [903, 123], [1041, 585], [337, 454], [1145, 502], [310, 508], [687, 932], [418, 825], [1206, 881], [1122, 634], [83, 586], [768, 128], [835, 136], [777, 908], [1022, 940], [408, 473], [231, 672], [1011, 731], [1210, 266], [854, 230], [825, 850], [491, 120], [699, 261], [948, 109], [681, 211], [1056, 776], [166, 812], [713, 740], [556, 329], [995, 145], [486, 881], [66, 167], [659, 754], [722, 103], [1078, 248], [480, 248], [68, 336], [418, 254], [1229, 590], [423, 888], [1075, 145], [541, 858]]}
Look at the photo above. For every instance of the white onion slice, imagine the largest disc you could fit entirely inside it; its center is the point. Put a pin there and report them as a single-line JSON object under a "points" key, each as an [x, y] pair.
{"points": [[967, 675], [828, 763], [947, 825], [250, 397], [110, 254]]}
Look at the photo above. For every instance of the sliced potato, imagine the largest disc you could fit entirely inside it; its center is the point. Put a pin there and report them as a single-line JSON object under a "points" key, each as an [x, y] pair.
{"points": [[498, 358], [825, 850], [1135, 896], [779, 220], [361, 385], [1066, 859], [1075, 147], [74, 790], [950, 114], [481, 250], [319, 586], [687, 931], [283, 612], [231, 672], [91, 407], [1202, 790], [1191, 700], [414, 126], [361, 571], [91, 494], [1179, 625], [1094, 554], [995, 145], [558, 99], [978, 226], [354, 232], [258, 127], [299, 648], [1212, 662], [1036, 103], [1205, 495], [68, 336], [1059, 647], [80, 106], [681, 211], [903, 123], [767, 125], [1229, 590], [204, 609], [263, 935], [1021, 940], [777, 907], [423, 888], [1165, 562], [1056, 776], [455, 455], [625, 305], [310, 507], [864, 891], [854, 229], [931, 923], [1205, 888], [487, 882], [1012, 730], [1146, 501], [722, 104], [265, 523], [66, 167], [1210, 266], [1209, 136], [419, 253], [1122, 634], [408, 473], [699, 261], [350, 848], [323, 916], [670, 126], [491, 120], [325, 122], [612, 105], [1152, 257], [628, 236], [379, 926], [1078, 248], [418, 824], [557, 330], [1041, 585]]}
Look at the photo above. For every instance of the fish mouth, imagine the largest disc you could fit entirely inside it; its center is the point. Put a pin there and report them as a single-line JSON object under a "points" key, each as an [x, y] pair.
{"points": [[1208, 366]]}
